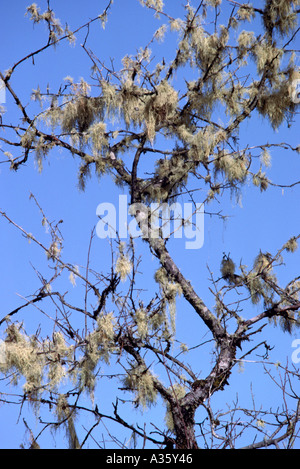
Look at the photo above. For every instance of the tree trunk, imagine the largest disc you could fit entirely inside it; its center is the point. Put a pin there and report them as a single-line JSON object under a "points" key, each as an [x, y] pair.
{"points": [[184, 427]]}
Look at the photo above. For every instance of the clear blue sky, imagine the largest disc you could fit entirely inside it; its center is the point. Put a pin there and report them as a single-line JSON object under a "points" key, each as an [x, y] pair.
{"points": [[262, 221]]}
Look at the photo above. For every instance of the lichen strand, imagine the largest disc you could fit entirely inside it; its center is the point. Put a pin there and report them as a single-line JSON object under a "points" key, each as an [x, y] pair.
{"points": [[160, 108], [275, 106], [42, 364], [177, 392], [142, 323], [123, 267], [234, 167], [291, 245], [170, 290], [156, 4], [173, 174], [100, 344], [141, 381], [280, 16]]}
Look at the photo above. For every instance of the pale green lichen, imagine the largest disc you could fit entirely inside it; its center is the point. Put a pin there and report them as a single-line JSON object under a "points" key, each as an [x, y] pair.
{"points": [[170, 291], [291, 245], [177, 391], [123, 267], [142, 382], [142, 322]]}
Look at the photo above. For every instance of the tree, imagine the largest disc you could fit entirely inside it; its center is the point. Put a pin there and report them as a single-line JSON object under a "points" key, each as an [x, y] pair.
{"points": [[164, 128]]}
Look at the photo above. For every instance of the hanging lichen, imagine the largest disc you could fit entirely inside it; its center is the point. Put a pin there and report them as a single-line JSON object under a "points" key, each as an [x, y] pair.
{"points": [[98, 137], [142, 322], [170, 290], [23, 360], [233, 166], [42, 364], [291, 245], [246, 12], [160, 107], [228, 269], [178, 392], [100, 344], [265, 157], [141, 381], [260, 180], [123, 267], [156, 4]]}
